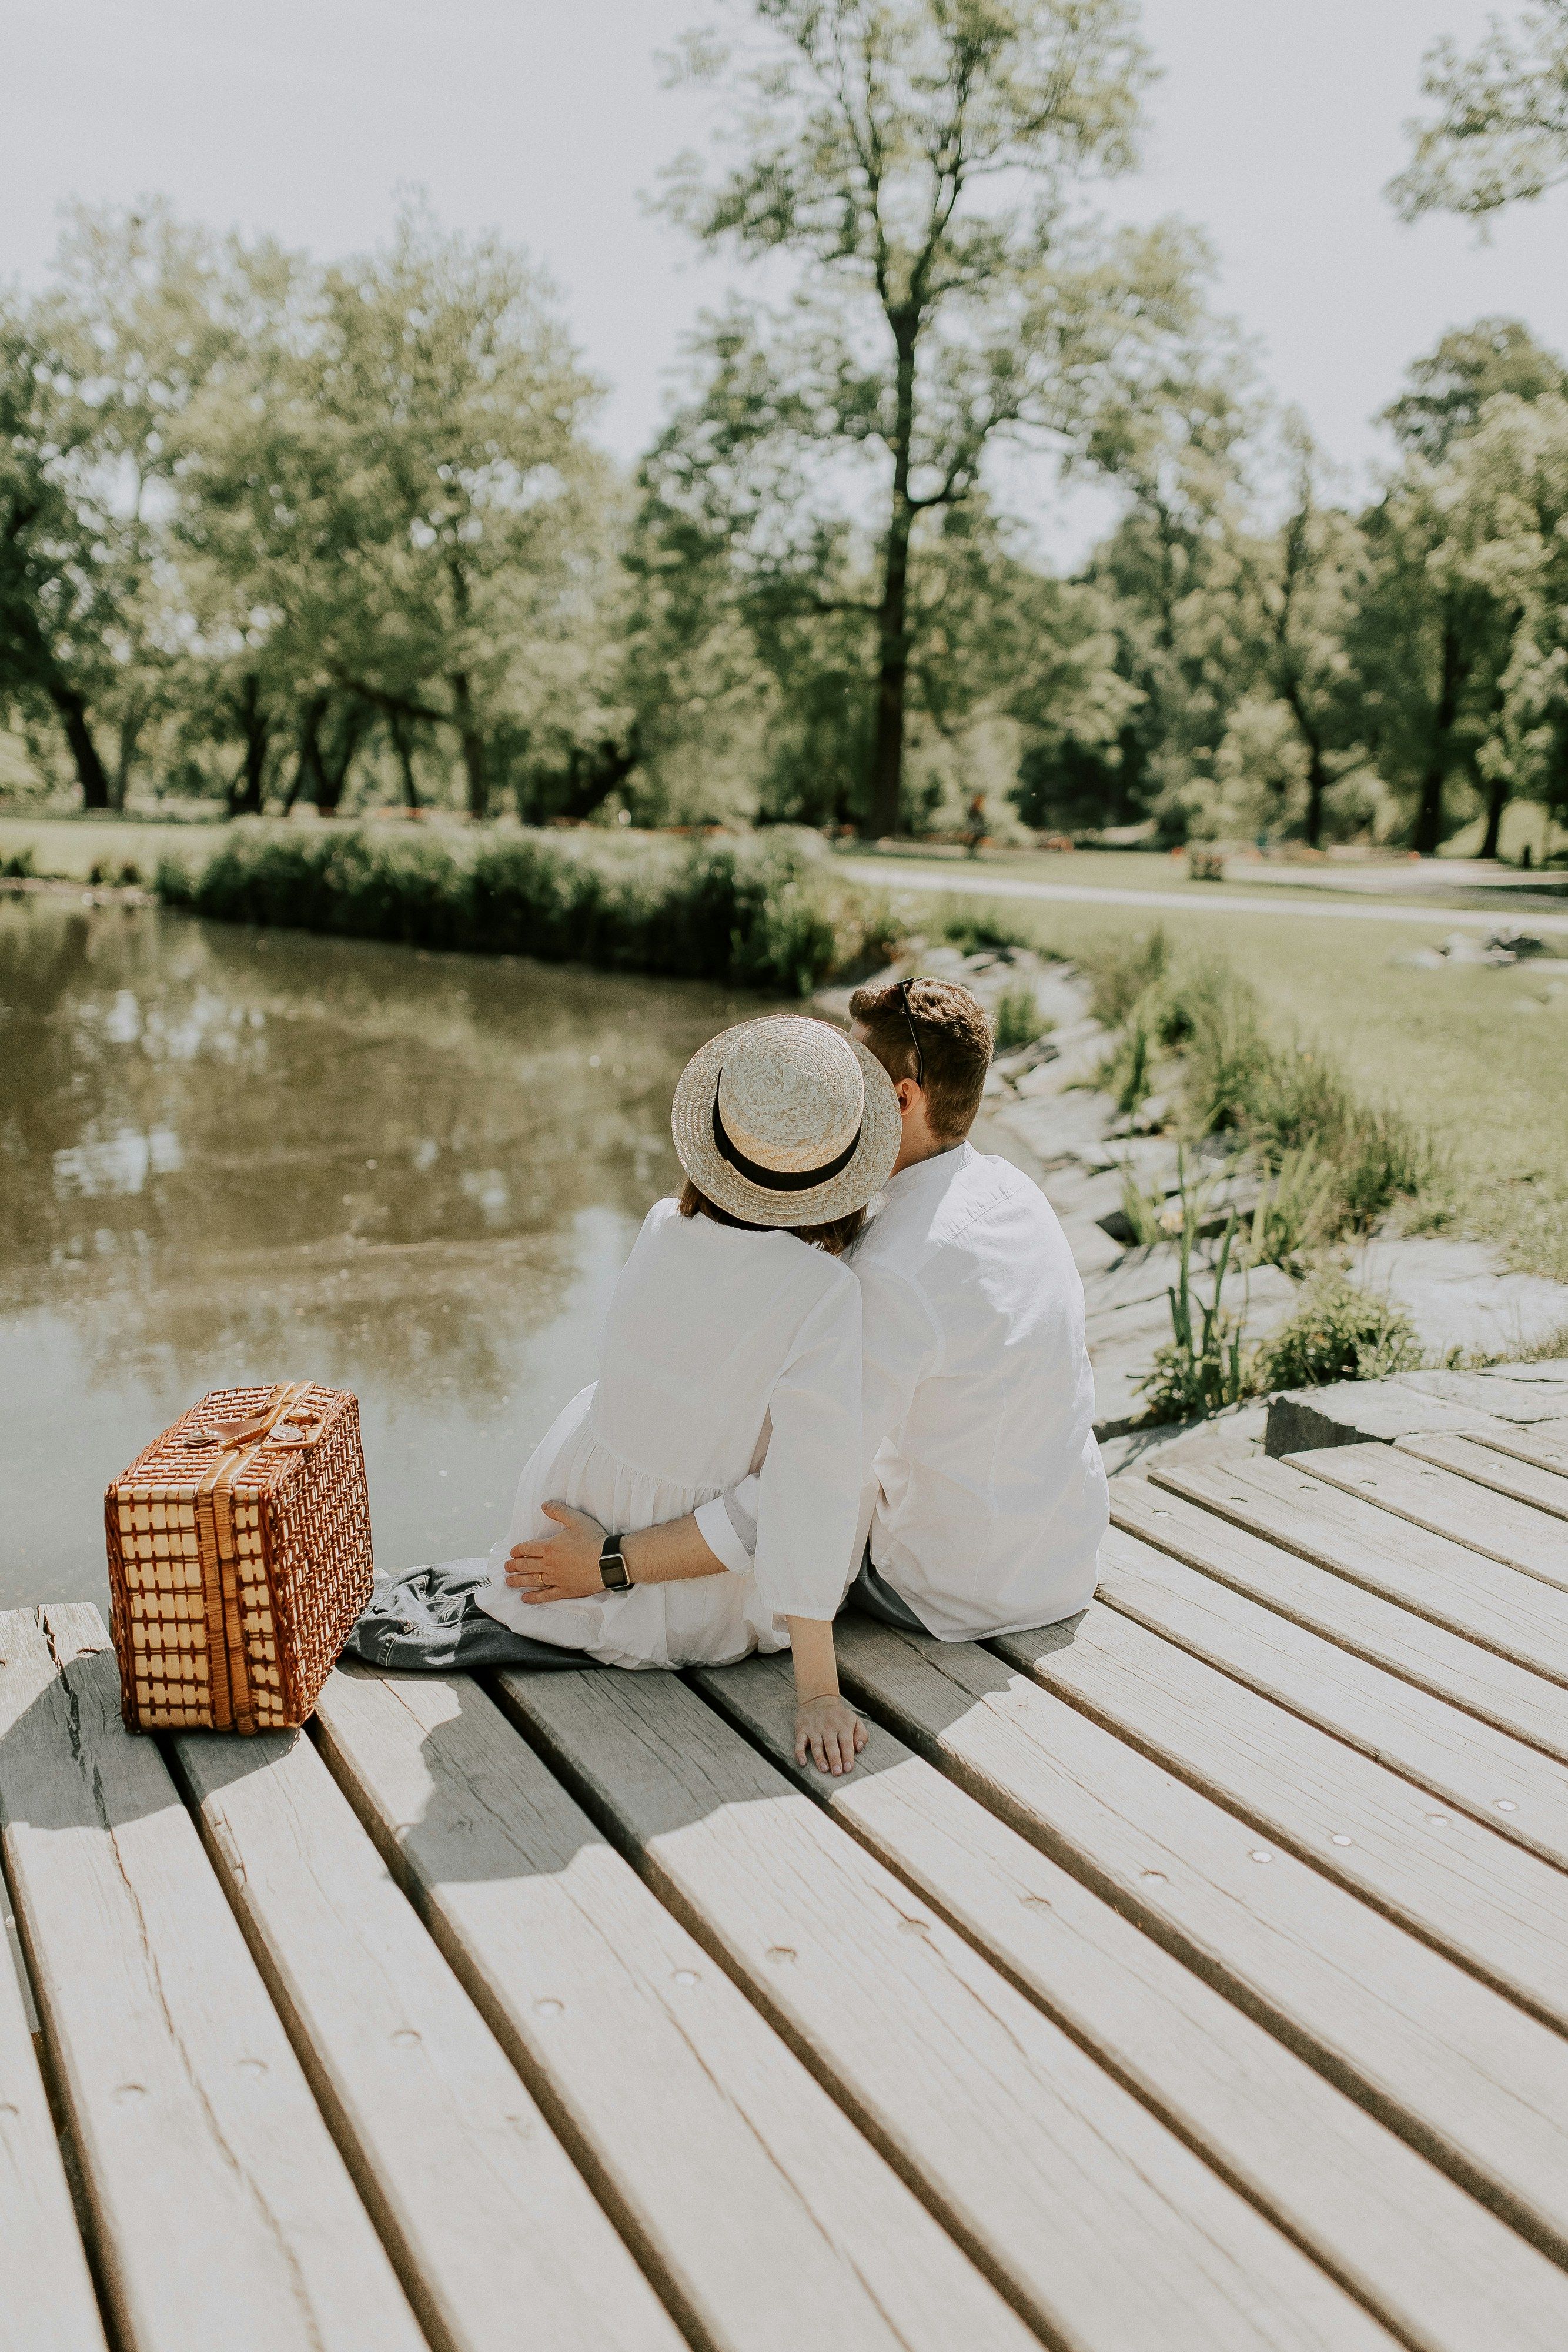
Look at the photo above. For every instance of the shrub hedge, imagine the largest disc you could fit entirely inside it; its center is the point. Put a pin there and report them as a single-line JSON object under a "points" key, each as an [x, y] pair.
{"points": [[765, 911]]}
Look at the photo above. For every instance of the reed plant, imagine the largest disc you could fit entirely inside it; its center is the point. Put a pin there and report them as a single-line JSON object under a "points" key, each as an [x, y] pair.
{"points": [[1203, 1367]]}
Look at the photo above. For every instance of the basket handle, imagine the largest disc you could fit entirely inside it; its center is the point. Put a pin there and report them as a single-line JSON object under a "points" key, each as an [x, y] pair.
{"points": [[282, 1408]]}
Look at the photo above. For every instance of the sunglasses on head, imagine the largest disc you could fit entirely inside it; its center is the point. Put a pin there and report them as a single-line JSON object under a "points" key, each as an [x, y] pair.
{"points": [[904, 988]]}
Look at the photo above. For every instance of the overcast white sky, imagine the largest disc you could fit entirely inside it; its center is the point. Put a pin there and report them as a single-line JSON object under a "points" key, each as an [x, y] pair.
{"points": [[1275, 127]]}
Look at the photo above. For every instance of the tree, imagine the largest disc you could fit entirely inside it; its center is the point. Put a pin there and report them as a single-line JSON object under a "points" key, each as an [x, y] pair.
{"points": [[916, 157], [1306, 579], [55, 543], [390, 469], [135, 316], [1500, 132], [1446, 390], [1433, 634], [1175, 442]]}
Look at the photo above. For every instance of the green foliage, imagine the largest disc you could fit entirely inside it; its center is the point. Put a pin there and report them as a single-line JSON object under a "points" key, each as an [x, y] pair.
{"points": [[1125, 1072], [1201, 1368], [1019, 1019], [1296, 1208], [1123, 975], [979, 934], [19, 867], [1338, 1333], [1500, 132], [763, 912]]}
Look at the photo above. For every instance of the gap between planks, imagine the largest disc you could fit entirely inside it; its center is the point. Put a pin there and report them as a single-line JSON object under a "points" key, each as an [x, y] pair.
{"points": [[763, 2214], [1434, 2263], [183, 2094], [1356, 1621], [1459, 2071], [1035, 2156]]}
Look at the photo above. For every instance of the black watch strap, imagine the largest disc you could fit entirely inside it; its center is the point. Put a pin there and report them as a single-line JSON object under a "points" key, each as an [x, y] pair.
{"points": [[613, 1572]]}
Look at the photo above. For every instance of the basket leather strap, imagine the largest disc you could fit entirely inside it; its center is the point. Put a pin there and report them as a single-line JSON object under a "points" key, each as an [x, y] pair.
{"points": [[234, 1704]]}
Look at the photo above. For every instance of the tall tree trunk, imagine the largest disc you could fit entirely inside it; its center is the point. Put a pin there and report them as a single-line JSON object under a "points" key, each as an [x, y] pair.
{"points": [[130, 734], [402, 745], [305, 780], [1427, 837], [1317, 774], [334, 766], [473, 745], [893, 614], [249, 784], [89, 768], [1497, 801]]}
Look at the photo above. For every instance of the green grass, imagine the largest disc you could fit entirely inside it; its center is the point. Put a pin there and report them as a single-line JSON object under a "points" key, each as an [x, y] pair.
{"points": [[70, 846], [1142, 869], [1476, 1059]]}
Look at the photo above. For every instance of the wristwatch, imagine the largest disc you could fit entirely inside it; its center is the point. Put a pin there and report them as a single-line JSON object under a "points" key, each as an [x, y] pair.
{"points": [[613, 1572]]}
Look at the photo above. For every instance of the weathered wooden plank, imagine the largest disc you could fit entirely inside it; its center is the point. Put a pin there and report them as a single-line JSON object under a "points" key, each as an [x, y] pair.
{"points": [[764, 2215], [1460, 2073], [483, 2211], [1434, 2265], [47, 2302], [1496, 1909], [1516, 1534], [1034, 2157], [1514, 1789], [221, 2211], [1356, 1620], [1505, 1473], [1546, 1443], [1517, 1616]]}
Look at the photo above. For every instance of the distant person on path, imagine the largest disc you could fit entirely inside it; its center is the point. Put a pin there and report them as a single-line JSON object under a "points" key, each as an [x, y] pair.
{"points": [[984, 1500], [731, 1357], [975, 824]]}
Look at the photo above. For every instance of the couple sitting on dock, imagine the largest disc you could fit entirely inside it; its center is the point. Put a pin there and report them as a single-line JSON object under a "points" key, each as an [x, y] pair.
{"points": [[802, 1404]]}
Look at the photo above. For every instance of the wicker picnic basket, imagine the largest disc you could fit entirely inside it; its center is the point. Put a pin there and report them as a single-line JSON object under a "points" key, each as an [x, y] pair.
{"points": [[239, 1556]]}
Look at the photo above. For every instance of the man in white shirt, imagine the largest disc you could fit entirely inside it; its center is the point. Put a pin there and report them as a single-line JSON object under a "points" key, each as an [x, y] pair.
{"points": [[984, 1498]]}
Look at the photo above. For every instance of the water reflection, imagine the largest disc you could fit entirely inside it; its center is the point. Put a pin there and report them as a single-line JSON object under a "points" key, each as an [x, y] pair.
{"points": [[227, 1156]]}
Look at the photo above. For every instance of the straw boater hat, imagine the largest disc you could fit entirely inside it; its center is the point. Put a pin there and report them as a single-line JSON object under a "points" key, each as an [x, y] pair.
{"points": [[784, 1121]]}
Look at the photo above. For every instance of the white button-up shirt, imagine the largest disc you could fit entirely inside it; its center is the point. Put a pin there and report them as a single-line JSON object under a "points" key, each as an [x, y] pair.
{"points": [[985, 1497]]}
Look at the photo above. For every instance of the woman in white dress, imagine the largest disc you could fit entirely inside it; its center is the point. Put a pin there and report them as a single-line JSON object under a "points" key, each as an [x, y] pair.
{"points": [[732, 1346]]}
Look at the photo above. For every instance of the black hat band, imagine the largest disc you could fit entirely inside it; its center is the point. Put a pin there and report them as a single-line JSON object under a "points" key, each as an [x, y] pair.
{"points": [[773, 1180]]}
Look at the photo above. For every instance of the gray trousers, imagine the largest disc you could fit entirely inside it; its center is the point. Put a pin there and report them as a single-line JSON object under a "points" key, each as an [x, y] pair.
{"points": [[427, 1622]]}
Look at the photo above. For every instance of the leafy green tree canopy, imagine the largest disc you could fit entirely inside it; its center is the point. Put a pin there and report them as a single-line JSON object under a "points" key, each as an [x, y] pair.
{"points": [[917, 158], [1500, 134]]}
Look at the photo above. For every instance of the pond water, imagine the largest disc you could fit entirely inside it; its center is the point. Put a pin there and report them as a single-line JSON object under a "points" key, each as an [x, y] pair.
{"points": [[228, 1156]]}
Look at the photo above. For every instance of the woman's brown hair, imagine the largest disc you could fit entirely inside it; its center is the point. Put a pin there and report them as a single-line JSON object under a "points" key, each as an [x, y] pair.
{"points": [[834, 1237]]}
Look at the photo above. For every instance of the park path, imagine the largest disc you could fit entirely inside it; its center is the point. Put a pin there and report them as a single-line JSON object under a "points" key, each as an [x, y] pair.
{"points": [[895, 876]]}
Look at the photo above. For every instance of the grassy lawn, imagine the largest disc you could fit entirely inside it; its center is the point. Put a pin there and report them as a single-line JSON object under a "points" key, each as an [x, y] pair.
{"points": [[1478, 1057], [72, 846], [1139, 869]]}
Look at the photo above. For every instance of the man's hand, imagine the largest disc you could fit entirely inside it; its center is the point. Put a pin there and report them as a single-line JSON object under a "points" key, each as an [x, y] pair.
{"points": [[563, 1567], [832, 1730]]}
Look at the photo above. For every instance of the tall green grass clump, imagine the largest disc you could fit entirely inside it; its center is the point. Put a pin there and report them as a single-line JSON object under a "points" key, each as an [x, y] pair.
{"points": [[1335, 1164], [765, 911]]}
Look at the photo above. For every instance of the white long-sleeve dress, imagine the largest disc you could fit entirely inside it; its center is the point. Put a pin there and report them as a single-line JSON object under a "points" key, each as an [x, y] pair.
{"points": [[724, 1352]]}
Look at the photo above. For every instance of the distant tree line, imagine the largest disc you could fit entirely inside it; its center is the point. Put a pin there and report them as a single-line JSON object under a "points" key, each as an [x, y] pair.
{"points": [[273, 532]]}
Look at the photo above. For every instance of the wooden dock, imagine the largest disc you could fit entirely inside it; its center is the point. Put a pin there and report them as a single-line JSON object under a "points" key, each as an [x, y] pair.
{"points": [[1191, 1978]]}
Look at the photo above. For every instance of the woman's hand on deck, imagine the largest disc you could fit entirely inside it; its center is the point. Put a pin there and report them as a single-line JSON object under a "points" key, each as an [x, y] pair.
{"points": [[831, 1731], [562, 1567]]}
